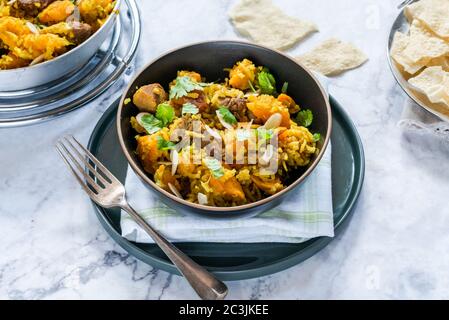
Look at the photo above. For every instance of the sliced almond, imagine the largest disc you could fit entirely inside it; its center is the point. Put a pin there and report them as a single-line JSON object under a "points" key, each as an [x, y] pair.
{"points": [[174, 157], [273, 122], [202, 198], [174, 190], [212, 132]]}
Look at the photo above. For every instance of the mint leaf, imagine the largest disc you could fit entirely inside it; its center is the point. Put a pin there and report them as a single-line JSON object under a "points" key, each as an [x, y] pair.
{"points": [[189, 108], [304, 118], [215, 167], [227, 115], [163, 144], [150, 123], [316, 137], [165, 113], [183, 86], [267, 83]]}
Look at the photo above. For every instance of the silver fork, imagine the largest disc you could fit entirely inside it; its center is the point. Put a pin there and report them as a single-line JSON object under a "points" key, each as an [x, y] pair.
{"points": [[405, 3], [107, 191]]}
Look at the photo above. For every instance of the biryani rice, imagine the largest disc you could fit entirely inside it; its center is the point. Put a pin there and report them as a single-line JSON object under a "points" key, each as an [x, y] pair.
{"points": [[237, 183]]}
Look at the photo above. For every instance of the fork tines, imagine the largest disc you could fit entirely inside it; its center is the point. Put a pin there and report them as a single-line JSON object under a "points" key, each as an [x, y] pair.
{"points": [[88, 170], [405, 3]]}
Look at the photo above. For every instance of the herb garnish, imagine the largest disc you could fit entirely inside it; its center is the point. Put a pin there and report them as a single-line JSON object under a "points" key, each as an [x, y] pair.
{"points": [[165, 113], [267, 83], [163, 144], [183, 86], [189, 108], [227, 115], [215, 167], [304, 118], [150, 123]]}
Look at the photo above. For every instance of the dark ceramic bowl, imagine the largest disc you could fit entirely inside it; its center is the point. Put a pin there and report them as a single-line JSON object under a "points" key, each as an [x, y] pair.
{"points": [[209, 59]]}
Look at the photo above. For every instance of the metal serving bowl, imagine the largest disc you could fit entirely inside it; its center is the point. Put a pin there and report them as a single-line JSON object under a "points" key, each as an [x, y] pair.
{"points": [[439, 109], [45, 72], [209, 59]]}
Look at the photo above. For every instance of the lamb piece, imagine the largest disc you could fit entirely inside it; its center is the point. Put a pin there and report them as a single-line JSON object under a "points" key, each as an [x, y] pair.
{"points": [[237, 106], [76, 32], [199, 101], [81, 31], [148, 97], [32, 7]]}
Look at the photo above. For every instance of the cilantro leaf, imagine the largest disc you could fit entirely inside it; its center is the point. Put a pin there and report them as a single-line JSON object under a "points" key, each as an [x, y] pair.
{"points": [[150, 123], [189, 108], [183, 86], [227, 115], [165, 113], [316, 137], [304, 118], [163, 144], [267, 83], [284, 87], [215, 167]]}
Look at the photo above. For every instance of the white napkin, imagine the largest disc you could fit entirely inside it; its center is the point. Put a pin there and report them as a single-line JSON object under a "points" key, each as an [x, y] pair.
{"points": [[421, 121], [305, 213]]}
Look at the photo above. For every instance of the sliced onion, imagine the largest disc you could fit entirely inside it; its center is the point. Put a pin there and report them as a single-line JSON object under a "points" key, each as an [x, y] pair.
{"points": [[38, 59], [273, 122], [212, 132], [174, 190], [224, 123], [268, 154], [202, 198], [139, 117], [174, 157], [32, 27]]}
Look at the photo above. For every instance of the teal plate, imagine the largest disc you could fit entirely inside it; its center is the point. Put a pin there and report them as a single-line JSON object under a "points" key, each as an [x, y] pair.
{"points": [[233, 261]]}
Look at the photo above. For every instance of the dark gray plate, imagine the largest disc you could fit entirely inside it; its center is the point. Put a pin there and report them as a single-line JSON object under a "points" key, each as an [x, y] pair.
{"points": [[241, 261]]}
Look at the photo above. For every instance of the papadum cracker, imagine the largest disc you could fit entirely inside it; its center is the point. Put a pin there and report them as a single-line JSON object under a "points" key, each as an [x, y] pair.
{"points": [[423, 45], [434, 83], [400, 43], [434, 14], [333, 57], [266, 24]]}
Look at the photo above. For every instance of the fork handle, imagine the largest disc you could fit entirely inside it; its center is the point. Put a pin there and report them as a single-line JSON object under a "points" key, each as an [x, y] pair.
{"points": [[206, 285]]}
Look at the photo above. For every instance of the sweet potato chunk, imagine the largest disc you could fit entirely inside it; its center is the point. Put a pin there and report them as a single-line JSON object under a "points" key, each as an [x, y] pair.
{"points": [[242, 74], [264, 106], [93, 10], [57, 11], [229, 189]]}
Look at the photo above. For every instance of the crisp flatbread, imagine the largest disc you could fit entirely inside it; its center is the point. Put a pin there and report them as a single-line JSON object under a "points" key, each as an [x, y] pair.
{"points": [[266, 24], [423, 46], [419, 49], [434, 83], [333, 57], [434, 14], [400, 43]]}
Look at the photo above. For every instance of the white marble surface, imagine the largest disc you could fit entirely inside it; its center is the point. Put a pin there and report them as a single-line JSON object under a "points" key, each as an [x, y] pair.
{"points": [[52, 246]]}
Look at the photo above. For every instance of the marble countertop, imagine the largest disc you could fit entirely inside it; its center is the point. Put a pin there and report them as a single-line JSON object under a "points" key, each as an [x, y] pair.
{"points": [[395, 246]]}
